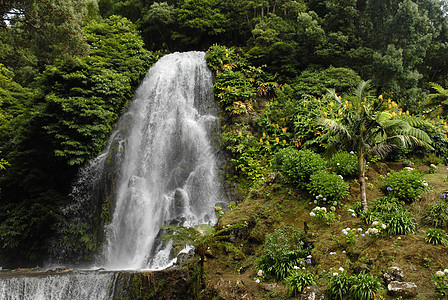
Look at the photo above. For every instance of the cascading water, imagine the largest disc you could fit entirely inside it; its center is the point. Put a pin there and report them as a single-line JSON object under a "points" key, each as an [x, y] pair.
{"points": [[159, 168], [168, 168]]}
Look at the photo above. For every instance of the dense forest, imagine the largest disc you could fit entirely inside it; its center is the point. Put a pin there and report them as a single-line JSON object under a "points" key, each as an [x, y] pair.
{"points": [[68, 69]]}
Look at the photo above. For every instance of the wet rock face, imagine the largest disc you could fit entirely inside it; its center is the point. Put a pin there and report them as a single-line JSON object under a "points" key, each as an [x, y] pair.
{"points": [[170, 284], [402, 289]]}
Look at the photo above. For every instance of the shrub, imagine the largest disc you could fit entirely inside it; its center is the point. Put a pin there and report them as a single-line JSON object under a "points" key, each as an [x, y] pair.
{"points": [[398, 222], [298, 279], [386, 205], [298, 165], [344, 163], [321, 213], [390, 212], [364, 286], [437, 215], [435, 236], [283, 249], [338, 286], [440, 280], [405, 185], [328, 186]]}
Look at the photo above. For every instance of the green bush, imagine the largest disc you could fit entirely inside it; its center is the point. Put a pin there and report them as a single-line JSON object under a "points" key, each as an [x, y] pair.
{"points": [[338, 286], [283, 249], [299, 279], [435, 236], [398, 222], [389, 211], [344, 163], [328, 186], [437, 215], [440, 280], [364, 286], [298, 165], [405, 185], [326, 216]]}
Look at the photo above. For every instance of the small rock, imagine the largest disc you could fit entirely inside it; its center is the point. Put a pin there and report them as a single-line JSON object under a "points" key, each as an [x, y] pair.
{"points": [[393, 274], [402, 289], [271, 286], [311, 293], [409, 169]]}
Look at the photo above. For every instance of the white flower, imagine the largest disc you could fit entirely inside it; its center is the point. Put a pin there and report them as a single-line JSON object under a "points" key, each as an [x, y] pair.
{"points": [[303, 268], [315, 201], [445, 271], [344, 232], [351, 210], [439, 274], [383, 226], [332, 253], [341, 269], [312, 214], [344, 251], [354, 215], [324, 209], [332, 208], [309, 256], [296, 267], [360, 229], [337, 164], [375, 223], [341, 176], [257, 281], [351, 152], [335, 274]]}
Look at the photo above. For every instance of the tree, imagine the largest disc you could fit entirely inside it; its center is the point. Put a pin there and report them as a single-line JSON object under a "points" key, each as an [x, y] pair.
{"points": [[39, 32], [364, 125], [202, 238]]}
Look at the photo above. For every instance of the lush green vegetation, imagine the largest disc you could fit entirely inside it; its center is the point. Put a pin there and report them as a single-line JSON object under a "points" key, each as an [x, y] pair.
{"points": [[314, 94]]}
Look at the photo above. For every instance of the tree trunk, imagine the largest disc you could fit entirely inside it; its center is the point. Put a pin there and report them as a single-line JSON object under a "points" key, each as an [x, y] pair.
{"points": [[362, 181], [201, 267]]}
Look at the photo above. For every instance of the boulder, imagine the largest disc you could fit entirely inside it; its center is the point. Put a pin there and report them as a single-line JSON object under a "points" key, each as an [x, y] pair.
{"points": [[402, 289]]}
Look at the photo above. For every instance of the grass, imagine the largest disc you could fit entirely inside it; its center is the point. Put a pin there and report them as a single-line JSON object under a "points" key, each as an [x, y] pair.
{"points": [[273, 205]]}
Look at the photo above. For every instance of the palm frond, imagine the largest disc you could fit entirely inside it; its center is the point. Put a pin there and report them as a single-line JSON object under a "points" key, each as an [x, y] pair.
{"points": [[334, 127], [381, 149], [362, 87]]}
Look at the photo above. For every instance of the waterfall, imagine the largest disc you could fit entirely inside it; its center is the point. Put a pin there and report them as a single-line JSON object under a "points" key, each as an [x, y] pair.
{"points": [[159, 167], [166, 161]]}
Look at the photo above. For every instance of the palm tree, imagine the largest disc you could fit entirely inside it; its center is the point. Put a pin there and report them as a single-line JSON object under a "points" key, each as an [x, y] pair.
{"points": [[202, 238], [364, 125]]}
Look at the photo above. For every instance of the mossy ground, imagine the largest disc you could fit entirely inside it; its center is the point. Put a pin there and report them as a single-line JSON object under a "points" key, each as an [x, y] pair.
{"points": [[275, 204]]}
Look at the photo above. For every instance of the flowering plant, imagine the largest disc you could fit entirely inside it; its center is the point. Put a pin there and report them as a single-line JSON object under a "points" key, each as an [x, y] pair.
{"points": [[321, 213], [440, 280]]}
